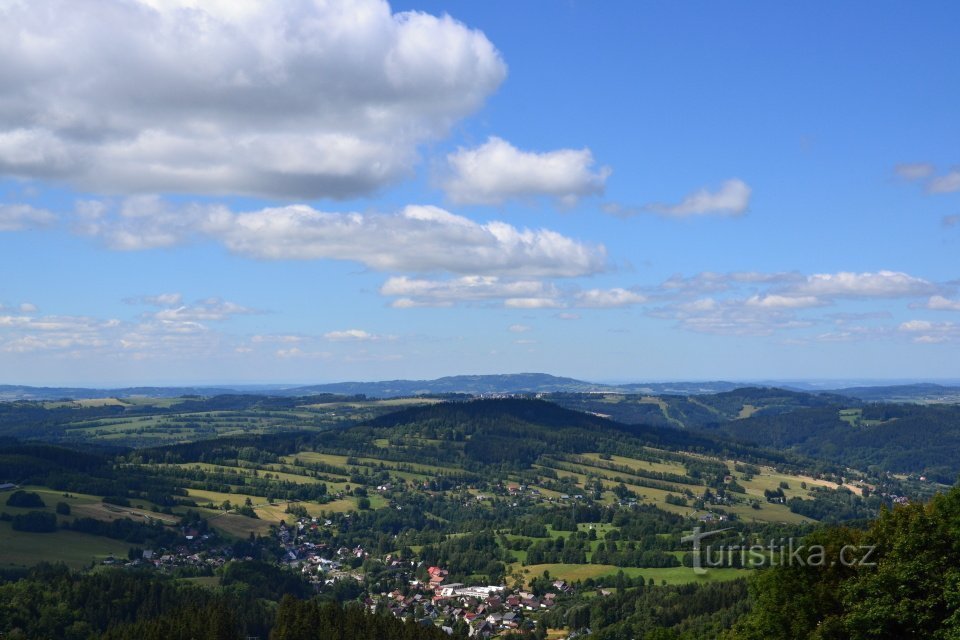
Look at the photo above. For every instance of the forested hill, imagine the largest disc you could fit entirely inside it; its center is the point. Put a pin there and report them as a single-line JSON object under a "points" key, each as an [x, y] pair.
{"points": [[519, 430], [905, 588], [901, 438], [695, 411]]}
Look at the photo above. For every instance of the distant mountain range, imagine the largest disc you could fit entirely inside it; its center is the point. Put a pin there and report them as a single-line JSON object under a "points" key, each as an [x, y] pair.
{"points": [[485, 385]]}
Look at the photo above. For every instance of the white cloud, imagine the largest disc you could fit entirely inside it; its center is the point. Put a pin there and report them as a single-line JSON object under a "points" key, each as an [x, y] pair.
{"points": [[519, 328], [951, 220], [297, 352], [608, 298], [731, 199], [943, 304], [947, 183], [351, 335], [513, 294], [773, 301], [163, 300], [698, 306], [27, 307], [568, 316], [880, 284], [27, 333], [730, 317], [854, 333], [916, 325], [16, 217], [755, 303], [497, 171], [914, 170], [209, 310], [410, 303], [711, 282], [532, 303], [926, 332], [421, 292], [272, 97], [281, 338], [418, 238]]}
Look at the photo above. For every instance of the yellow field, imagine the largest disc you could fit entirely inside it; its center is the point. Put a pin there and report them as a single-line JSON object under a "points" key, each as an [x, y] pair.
{"points": [[202, 496], [767, 513], [280, 475], [236, 525], [102, 402], [641, 465], [312, 456], [111, 512]]}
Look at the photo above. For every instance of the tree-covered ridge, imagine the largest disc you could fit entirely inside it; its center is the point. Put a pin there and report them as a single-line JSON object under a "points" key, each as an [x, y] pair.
{"points": [[900, 438], [115, 424], [700, 410], [519, 430], [52, 603], [912, 591]]}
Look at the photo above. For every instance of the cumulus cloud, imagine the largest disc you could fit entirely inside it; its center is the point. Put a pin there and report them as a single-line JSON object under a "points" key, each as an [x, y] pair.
{"points": [[351, 335], [939, 303], [712, 282], [297, 352], [28, 333], [497, 171], [209, 310], [533, 303], [773, 301], [755, 303], [880, 284], [729, 317], [16, 217], [926, 332], [417, 238], [609, 298], [276, 338], [914, 170], [509, 293], [269, 97], [160, 300], [947, 183], [924, 172], [172, 333], [731, 199], [475, 288]]}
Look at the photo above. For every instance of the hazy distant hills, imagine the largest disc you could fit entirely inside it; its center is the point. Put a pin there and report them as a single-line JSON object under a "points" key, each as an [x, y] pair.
{"points": [[474, 385], [20, 392], [924, 392], [483, 385], [506, 383], [468, 384]]}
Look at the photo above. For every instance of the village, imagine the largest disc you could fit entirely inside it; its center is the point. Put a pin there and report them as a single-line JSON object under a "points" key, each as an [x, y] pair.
{"points": [[485, 610]]}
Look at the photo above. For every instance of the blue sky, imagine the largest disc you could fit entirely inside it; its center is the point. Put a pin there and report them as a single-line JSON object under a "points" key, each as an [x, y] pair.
{"points": [[241, 191]]}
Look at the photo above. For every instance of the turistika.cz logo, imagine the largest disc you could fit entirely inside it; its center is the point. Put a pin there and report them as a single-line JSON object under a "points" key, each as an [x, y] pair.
{"points": [[782, 552]]}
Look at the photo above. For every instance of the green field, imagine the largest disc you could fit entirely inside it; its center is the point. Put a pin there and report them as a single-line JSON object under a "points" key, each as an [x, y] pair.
{"points": [[671, 575], [76, 550]]}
